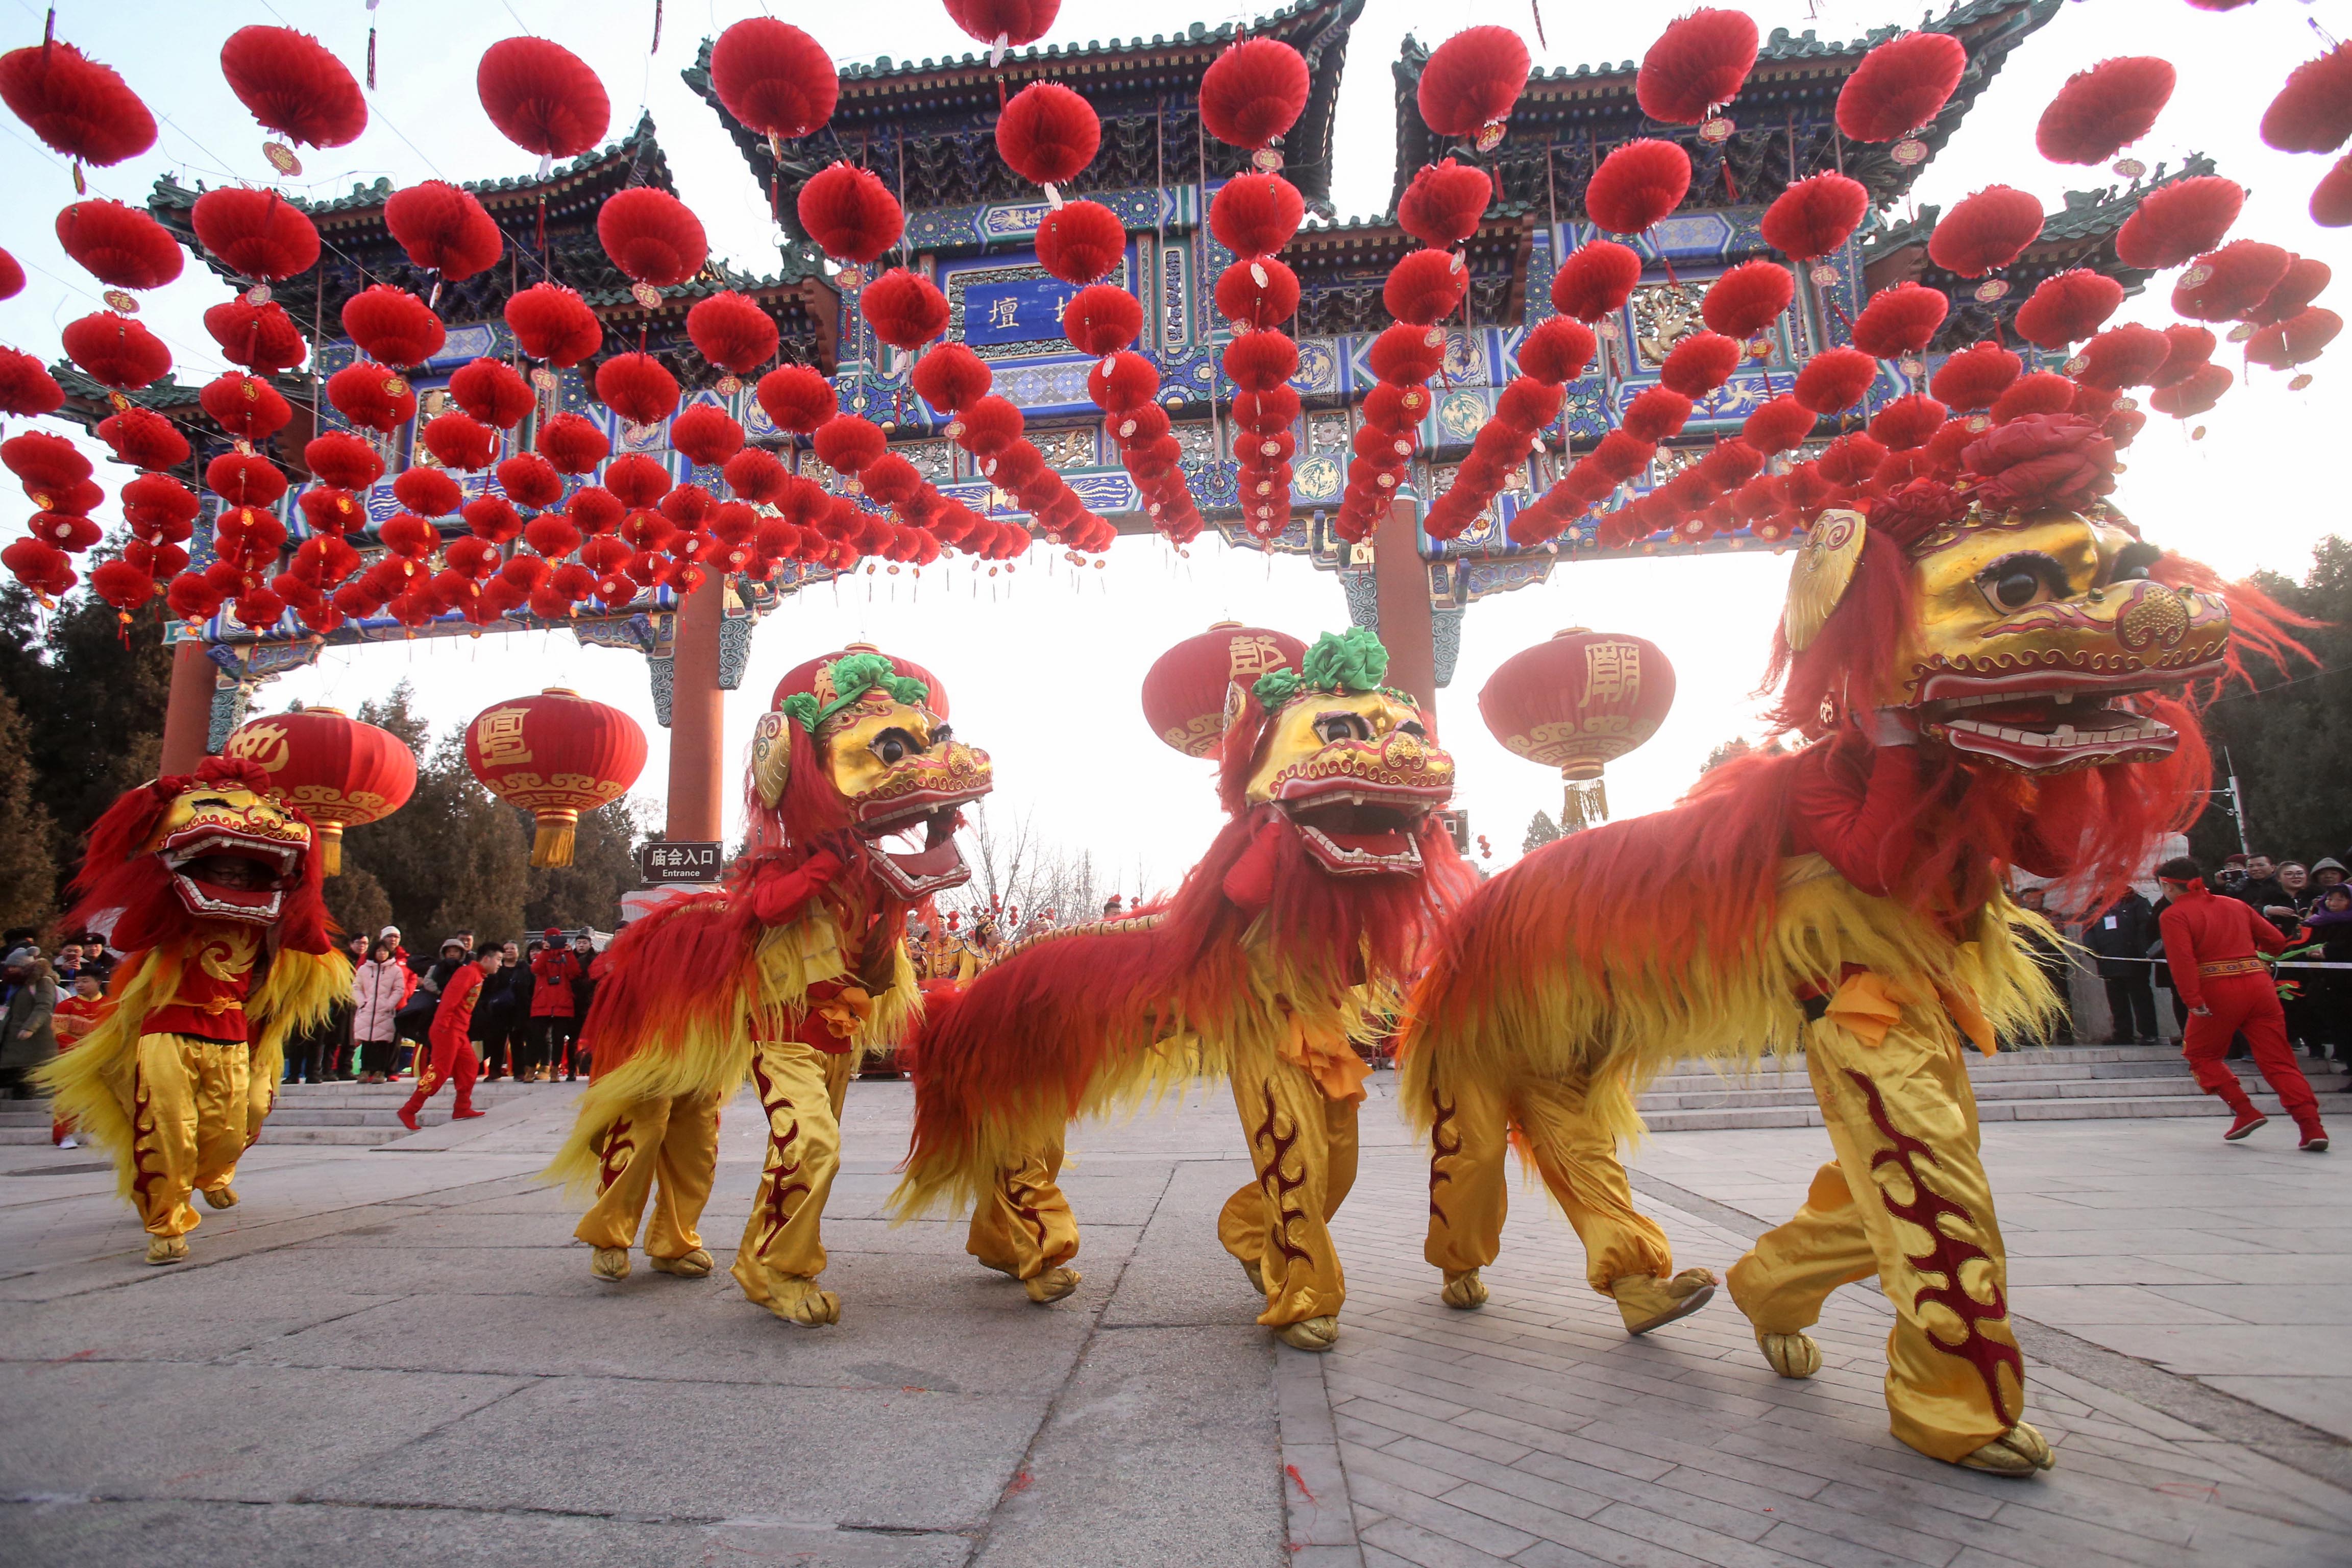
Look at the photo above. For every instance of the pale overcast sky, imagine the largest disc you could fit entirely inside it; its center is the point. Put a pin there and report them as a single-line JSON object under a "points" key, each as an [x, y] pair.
{"points": [[1044, 672]]}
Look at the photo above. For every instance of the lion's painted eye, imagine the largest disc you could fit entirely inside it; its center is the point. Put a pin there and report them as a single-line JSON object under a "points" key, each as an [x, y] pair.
{"points": [[2018, 581], [895, 745], [1333, 727], [2133, 562], [2015, 590]]}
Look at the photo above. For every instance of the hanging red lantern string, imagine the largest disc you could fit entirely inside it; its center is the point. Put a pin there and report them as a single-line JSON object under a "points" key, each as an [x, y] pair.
{"points": [[118, 245], [1696, 65], [541, 96], [256, 233], [2102, 110], [1253, 94], [553, 323], [1470, 83], [849, 212], [1002, 24], [78, 106]]}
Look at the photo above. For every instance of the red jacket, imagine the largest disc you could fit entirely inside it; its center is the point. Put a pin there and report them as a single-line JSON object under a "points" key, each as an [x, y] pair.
{"points": [[2201, 928], [453, 1021], [552, 973]]}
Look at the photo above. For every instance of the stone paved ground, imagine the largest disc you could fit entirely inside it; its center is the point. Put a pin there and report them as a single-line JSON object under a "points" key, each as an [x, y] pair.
{"points": [[397, 1355]]}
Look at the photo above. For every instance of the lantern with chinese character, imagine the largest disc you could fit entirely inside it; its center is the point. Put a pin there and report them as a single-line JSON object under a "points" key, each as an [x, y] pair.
{"points": [[556, 755], [341, 773], [1577, 703], [1189, 692]]}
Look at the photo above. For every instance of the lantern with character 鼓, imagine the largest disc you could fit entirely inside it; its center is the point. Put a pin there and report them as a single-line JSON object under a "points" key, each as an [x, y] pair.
{"points": [[556, 755], [1577, 703]]}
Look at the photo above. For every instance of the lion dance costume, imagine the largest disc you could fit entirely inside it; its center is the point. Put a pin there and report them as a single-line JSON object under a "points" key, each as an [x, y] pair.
{"points": [[1978, 672], [216, 884], [788, 975], [1286, 944]]}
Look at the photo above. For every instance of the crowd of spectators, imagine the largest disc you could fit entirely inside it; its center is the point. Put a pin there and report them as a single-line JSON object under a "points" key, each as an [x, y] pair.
{"points": [[525, 1026]]}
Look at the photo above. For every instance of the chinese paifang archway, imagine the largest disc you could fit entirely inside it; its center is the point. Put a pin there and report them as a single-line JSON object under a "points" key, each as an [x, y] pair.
{"points": [[1618, 308]]}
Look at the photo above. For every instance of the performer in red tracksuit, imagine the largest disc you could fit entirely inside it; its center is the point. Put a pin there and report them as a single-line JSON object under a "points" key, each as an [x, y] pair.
{"points": [[2210, 944], [453, 1050]]}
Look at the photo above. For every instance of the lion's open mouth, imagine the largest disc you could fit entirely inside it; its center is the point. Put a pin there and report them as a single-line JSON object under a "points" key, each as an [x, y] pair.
{"points": [[2040, 730], [222, 877], [914, 849], [1359, 832]]}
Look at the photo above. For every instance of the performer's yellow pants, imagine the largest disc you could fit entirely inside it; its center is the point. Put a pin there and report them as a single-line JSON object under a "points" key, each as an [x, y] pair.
{"points": [[1303, 1144], [195, 1112], [664, 1148], [1023, 1224], [801, 1088], [1908, 1198], [1574, 1154]]}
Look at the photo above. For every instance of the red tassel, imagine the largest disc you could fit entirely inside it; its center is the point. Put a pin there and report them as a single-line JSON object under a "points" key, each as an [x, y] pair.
{"points": [[540, 244], [1536, 7], [658, 11]]}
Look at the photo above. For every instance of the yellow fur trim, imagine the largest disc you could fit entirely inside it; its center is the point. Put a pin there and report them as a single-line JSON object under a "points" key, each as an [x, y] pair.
{"points": [[1620, 1027], [92, 1082], [1279, 1012], [708, 1049]]}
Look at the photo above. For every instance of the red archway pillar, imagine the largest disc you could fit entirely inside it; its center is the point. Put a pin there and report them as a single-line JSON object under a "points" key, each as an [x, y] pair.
{"points": [[188, 711], [697, 798], [1400, 586]]}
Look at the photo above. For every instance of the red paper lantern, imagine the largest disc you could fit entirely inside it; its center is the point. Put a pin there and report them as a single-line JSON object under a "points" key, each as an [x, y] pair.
{"points": [[144, 438], [905, 308], [1471, 82], [2193, 393], [1835, 379], [2313, 112], [638, 482], [118, 245], [2231, 282], [1557, 351], [555, 755], [1048, 133], [1697, 63], [1637, 185], [159, 506], [529, 480], [1699, 365], [1577, 703], [1256, 291], [1446, 202], [256, 233], [27, 388], [1195, 687], [393, 325], [773, 76], [1258, 361], [2305, 279], [998, 23], [493, 392], [573, 444], [80, 108], [651, 237], [444, 229], [1975, 376], [1424, 287], [1815, 217], [2296, 341], [2183, 219], [1253, 92], [2102, 110], [1256, 214], [1900, 86], [731, 331], [371, 396], [426, 491], [2043, 392], [1900, 321], [636, 387], [460, 441], [849, 212], [757, 475], [262, 338], [116, 350], [553, 323], [1909, 421], [2067, 307], [329, 511], [1080, 242], [294, 85], [11, 275], [1778, 426], [1098, 319], [2127, 355], [2331, 199], [1748, 298], [45, 463], [341, 773], [705, 435], [1597, 277], [542, 96], [244, 405], [796, 398], [1986, 231]]}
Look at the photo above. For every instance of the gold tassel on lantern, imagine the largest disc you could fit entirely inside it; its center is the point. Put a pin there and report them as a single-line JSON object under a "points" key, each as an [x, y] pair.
{"points": [[330, 847], [551, 846], [1585, 804]]}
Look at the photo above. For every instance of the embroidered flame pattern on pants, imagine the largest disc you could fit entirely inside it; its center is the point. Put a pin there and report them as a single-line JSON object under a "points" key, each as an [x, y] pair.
{"points": [[1946, 1255]]}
